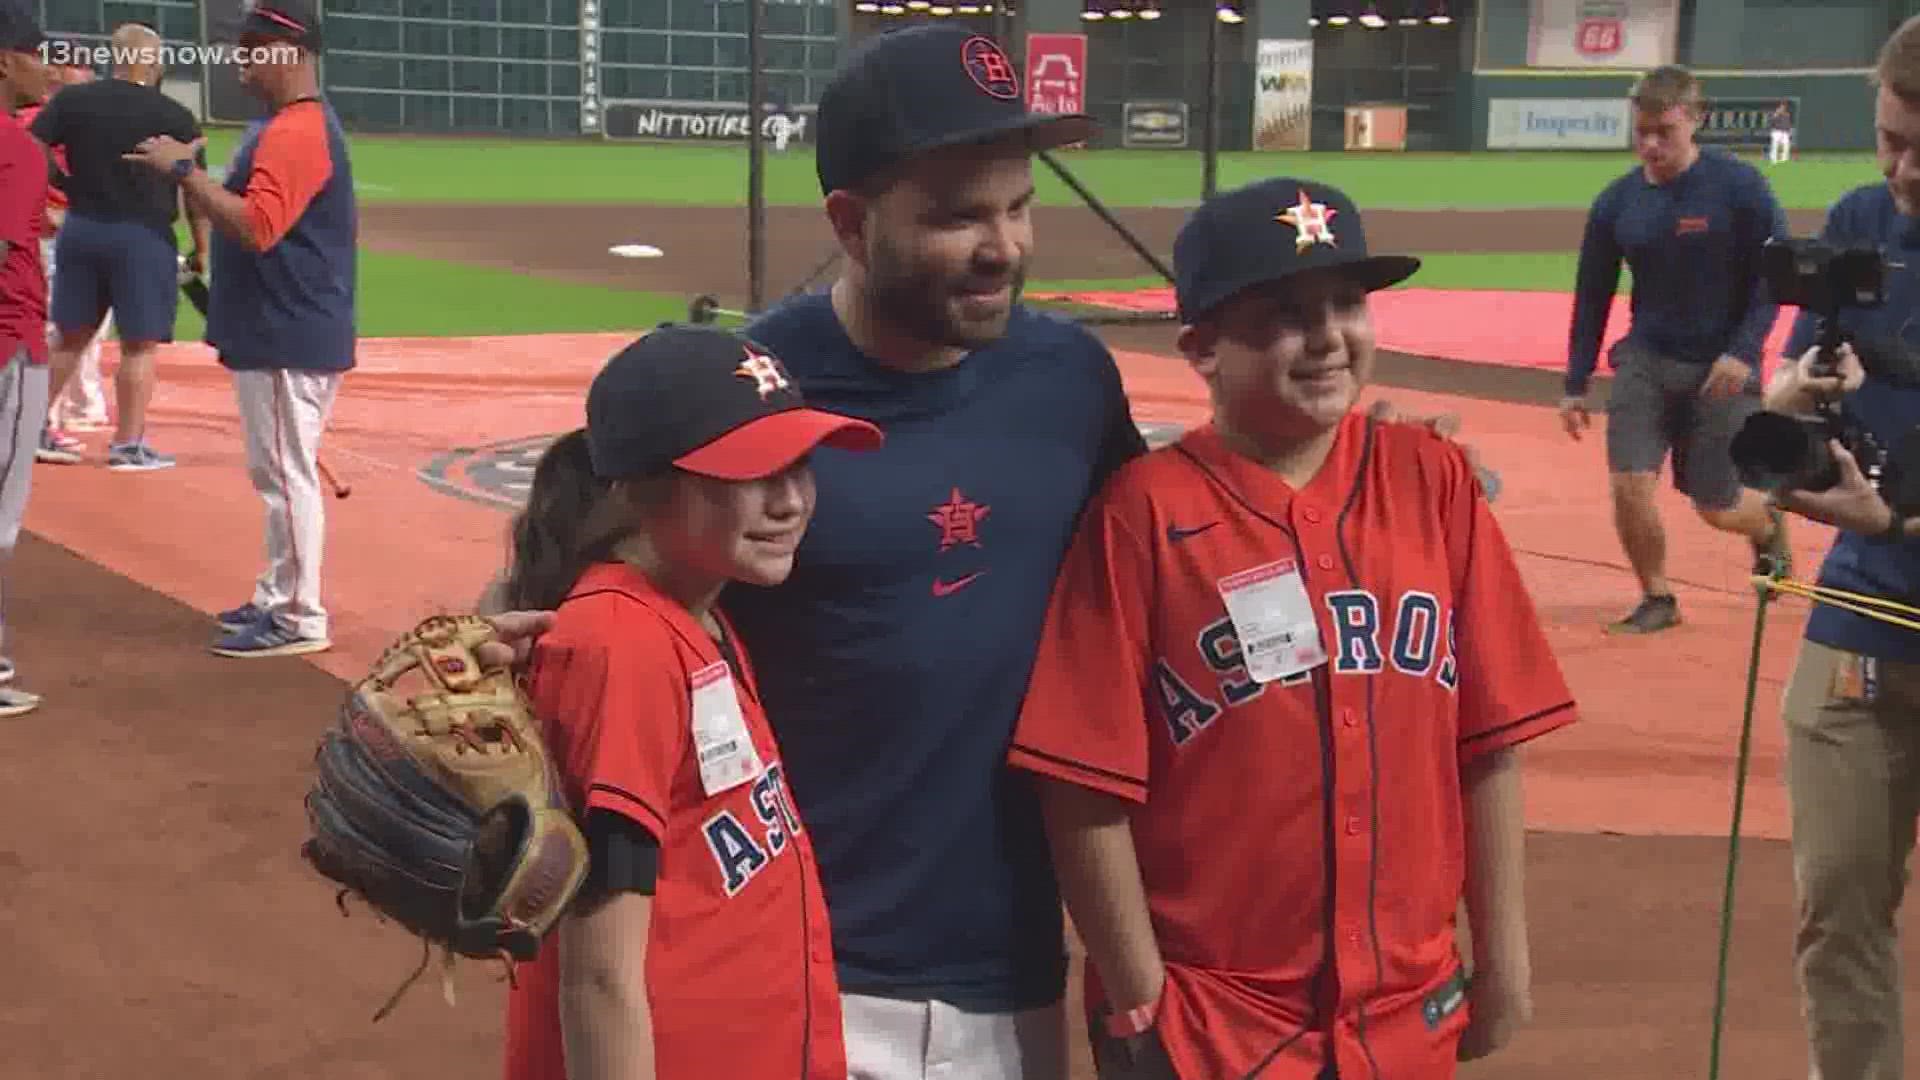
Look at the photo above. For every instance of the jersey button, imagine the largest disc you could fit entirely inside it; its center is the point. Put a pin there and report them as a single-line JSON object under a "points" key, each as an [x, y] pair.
{"points": [[1353, 826], [1348, 718], [1326, 562], [1312, 515]]}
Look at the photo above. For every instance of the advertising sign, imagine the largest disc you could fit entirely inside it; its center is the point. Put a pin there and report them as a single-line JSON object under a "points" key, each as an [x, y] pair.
{"points": [[1741, 123], [1602, 33], [697, 121], [1558, 124], [1056, 73], [1283, 95], [1160, 124]]}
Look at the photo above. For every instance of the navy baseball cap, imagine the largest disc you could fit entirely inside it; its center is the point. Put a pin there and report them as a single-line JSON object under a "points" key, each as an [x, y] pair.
{"points": [[707, 401], [1268, 231], [19, 30], [922, 88]]}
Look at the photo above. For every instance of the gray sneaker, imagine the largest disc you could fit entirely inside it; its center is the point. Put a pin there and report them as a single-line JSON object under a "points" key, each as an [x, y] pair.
{"points": [[17, 702], [136, 457], [1654, 614]]}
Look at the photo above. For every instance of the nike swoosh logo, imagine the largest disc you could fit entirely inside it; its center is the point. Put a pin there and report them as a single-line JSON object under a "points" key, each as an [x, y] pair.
{"points": [[948, 588], [1176, 534]]}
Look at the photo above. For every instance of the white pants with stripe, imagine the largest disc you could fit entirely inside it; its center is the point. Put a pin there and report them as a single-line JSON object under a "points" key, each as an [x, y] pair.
{"points": [[23, 408], [930, 1040], [283, 414]]}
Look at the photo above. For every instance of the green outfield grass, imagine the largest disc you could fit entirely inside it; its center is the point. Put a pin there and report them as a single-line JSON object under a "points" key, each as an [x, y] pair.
{"points": [[407, 296], [403, 169]]}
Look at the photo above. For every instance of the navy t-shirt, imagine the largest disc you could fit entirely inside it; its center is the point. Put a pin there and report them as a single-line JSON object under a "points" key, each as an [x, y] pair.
{"points": [[1693, 245], [894, 659], [1887, 338]]}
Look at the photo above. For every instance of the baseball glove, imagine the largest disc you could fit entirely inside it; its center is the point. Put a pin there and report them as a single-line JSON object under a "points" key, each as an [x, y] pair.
{"points": [[437, 803]]}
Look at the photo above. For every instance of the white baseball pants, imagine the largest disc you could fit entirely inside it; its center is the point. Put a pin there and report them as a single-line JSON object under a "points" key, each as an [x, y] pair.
{"points": [[931, 1040], [283, 414], [1780, 146]]}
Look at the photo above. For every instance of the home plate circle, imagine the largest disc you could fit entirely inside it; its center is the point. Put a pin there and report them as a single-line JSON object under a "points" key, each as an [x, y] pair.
{"points": [[635, 251]]}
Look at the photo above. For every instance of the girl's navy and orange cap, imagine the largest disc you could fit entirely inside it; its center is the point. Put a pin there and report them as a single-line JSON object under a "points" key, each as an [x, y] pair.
{"points": [[709, 402]]}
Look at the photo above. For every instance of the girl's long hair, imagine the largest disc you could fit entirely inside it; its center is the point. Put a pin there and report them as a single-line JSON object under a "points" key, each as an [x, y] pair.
{"points": [[572, 520]]}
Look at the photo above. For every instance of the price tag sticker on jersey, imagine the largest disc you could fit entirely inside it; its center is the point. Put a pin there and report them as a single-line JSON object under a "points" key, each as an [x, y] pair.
{"points": [[721, 743], [1273, 618]]}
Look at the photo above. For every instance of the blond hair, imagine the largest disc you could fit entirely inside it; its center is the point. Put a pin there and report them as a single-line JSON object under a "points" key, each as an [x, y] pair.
{"points": [[1667, 87], [1898, 66]]}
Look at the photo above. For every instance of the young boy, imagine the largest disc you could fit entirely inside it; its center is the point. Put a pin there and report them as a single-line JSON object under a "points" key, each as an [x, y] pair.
{"points": [[1275, 709]]}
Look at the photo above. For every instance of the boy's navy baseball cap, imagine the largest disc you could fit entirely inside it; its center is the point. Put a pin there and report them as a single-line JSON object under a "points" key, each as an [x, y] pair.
{"points": [[1270, 230], [707, 401], [922, 88], [19, 30]]}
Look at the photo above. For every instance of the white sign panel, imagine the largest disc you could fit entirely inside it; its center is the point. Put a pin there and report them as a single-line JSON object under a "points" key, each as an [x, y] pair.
{"points": [[1283, 95], [1603, 33], [1558, 124]]}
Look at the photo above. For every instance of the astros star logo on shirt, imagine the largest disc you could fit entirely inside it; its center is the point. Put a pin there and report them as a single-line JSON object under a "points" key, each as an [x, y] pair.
{"points": [[1312, 223]]}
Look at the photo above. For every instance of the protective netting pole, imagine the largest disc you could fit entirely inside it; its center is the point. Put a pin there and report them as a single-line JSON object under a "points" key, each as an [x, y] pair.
{"points": [[1210, 110], [756, 163]]}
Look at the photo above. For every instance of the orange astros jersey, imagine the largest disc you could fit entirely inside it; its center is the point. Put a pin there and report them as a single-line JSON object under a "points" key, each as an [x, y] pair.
{"points": [[1301, 836], [739, 965]]}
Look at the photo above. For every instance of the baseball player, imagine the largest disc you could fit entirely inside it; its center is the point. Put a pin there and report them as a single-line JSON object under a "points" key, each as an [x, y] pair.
{"points": [[83, 406], [1275, 707], [1690, 222], [700, 945], [281, 311], [1780, 134], [23, 301]]}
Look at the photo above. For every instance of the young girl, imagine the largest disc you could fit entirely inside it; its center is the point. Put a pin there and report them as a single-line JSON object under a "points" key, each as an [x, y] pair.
{"points": [[699, 946]]}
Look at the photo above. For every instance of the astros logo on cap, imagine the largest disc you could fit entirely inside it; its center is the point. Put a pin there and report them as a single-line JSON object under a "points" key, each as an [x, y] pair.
{"points": [[765, 372], [989, 68], [1311, 221]]}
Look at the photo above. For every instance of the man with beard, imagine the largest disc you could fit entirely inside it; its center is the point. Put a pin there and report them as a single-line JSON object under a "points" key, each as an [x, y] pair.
{"points": [[894, 659]]}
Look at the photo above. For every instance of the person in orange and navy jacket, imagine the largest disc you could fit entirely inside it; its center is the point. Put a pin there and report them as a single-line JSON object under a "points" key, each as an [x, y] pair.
{"points": [[280, 313]]}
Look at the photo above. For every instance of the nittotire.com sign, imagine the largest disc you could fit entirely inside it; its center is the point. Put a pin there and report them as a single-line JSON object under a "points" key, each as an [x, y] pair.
{"points": [[688, 121]]}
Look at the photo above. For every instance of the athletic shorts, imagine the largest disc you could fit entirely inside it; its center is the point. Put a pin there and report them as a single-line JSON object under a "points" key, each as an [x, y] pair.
{"points": [[1654, 407], [121, 266]]}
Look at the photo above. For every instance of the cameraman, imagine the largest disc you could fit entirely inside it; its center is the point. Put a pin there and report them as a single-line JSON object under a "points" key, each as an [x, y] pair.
{"points": [[1852, 706]]}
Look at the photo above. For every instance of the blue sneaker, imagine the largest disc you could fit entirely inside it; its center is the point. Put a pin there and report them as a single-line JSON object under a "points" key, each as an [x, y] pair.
{"points": [[267, 638], [241, 617], [136, 457]]}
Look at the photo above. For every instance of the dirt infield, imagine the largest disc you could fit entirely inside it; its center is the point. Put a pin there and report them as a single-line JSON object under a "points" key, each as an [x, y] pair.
{"points": [[166, 926]]}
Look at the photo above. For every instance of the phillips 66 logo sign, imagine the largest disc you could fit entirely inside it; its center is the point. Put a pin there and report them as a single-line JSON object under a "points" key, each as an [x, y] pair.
{"points": [[1601, 29], [1602, 33]]}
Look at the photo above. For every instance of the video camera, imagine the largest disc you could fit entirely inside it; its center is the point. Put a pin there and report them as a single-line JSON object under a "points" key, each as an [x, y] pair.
{"points": [[1774, 452]]}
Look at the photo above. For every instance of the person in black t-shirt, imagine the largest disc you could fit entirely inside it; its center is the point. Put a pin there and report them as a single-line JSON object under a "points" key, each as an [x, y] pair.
{"points": [[116, 250]]}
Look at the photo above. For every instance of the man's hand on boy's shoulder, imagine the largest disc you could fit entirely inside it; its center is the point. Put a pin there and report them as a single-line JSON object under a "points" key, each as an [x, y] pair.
{"points": [[1447, 426]]}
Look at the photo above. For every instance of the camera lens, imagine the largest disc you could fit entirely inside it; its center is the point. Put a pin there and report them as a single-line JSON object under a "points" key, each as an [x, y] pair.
{"points": [[1778, 453]]}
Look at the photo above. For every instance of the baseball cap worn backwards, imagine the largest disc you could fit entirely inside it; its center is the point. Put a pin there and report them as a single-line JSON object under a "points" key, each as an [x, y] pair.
{"points": [[923, 88], [296, 22], [1268, 231], [19, 30], [710, 402]]}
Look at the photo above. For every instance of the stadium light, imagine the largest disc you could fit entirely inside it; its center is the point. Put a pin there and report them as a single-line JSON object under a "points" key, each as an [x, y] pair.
{"points": [[1408, 20], [1091, 12], [1439, 16], [968, 9], [1371, 18], [939, 9], [1151, 11], [892, 9], [1121, 9], [1339, 20], [867, 7], [1313, 20], [1227, 13]]}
